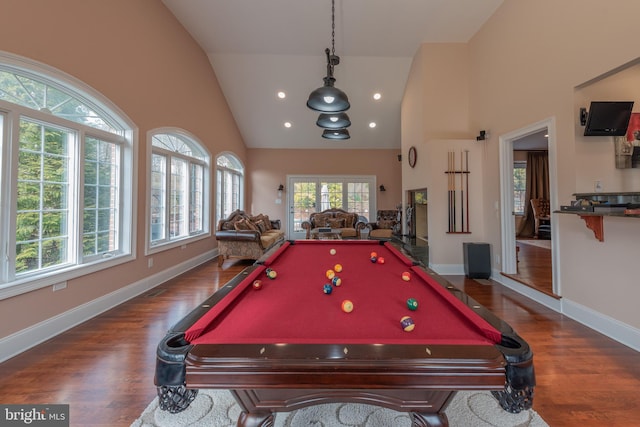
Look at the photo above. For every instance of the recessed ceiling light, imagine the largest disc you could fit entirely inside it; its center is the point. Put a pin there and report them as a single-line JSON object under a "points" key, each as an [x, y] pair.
{"points": [[372, 125], [287, 124], [377, 96], [282, 95]]}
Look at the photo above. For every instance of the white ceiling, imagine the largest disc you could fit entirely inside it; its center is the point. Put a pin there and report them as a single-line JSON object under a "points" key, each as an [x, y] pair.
{"points": [[260, 47]]}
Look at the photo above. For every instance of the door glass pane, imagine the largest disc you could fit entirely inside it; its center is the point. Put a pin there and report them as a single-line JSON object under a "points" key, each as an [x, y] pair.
{"points": [[304, 203]]}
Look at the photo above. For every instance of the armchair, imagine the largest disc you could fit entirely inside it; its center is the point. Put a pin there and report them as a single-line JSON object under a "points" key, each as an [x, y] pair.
{"points": [[541, 217], [386, 225]]}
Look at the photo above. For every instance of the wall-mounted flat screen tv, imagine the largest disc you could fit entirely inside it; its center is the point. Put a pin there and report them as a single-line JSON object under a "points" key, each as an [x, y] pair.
{"points": [[608, 118]]}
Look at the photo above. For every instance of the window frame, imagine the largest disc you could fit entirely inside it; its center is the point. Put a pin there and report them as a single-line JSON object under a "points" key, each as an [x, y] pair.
{"points": [[205, 163], [239, 172], [519, 164], [125, 136]]}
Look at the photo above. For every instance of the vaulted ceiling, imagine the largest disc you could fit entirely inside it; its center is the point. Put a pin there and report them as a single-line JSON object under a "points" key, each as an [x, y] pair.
{"points": [[259, 48]]}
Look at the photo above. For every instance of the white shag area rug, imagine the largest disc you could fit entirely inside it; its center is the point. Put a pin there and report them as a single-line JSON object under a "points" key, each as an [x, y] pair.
{"points": [[218, 408]]}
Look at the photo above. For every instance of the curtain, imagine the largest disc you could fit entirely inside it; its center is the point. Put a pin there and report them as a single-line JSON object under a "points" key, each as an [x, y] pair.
{"points": [[537, 188]]}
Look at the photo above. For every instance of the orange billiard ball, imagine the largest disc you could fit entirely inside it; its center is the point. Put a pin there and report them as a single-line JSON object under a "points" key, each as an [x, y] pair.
{"points": [[373, 254], [330, 274], [347, 306], [337, 268]]}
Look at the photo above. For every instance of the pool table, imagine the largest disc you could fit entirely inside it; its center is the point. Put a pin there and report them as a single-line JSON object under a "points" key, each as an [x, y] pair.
{"points": [[288, 342]]}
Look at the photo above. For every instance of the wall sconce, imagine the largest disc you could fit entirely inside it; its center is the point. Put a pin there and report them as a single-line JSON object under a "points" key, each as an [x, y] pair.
{"points": [[280, 190], [382, 188], [399, 157], [482, 136]]}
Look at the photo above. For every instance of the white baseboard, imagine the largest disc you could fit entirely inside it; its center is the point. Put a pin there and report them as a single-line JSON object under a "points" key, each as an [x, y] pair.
{"points": [[614, 329], [23, 340]]}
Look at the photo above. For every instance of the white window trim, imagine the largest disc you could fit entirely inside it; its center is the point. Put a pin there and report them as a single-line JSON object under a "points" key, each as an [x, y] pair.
{"points": [[149, 249], [12, 114]]}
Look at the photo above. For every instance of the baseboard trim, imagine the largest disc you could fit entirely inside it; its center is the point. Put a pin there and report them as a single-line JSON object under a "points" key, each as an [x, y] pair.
{"points": [[612, 328], [16, 343]]}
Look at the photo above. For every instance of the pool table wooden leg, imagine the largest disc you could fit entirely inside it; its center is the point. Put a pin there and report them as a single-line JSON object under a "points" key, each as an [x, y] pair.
{"points": [[429, 420], [256, 419]]}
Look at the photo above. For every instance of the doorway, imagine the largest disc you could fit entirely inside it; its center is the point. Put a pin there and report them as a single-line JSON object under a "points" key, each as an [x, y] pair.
{"points": [[417, 220], [525, 259]]}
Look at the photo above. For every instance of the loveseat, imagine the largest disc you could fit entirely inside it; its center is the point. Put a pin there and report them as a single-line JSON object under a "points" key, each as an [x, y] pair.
{"points": [[347, 222], [245, 236]]}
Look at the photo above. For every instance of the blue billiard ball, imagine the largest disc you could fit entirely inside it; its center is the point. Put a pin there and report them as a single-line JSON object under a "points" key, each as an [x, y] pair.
{"points": [[327, 288]]}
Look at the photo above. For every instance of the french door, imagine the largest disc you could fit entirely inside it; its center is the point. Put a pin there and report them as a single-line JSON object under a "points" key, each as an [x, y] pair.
{"points": [[309, 194]]}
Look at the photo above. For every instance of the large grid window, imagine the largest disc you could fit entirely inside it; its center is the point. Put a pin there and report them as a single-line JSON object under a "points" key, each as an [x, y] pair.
{"points": [[230, 185], [178, 199], [67, 181]]}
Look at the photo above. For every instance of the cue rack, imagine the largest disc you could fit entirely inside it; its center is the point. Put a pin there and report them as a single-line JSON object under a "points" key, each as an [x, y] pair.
{"points": [[458, 192]]}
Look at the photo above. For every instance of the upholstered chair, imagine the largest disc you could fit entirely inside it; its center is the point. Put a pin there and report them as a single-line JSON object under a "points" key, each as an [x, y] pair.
{"points": [[542, 219], [386, 225]]}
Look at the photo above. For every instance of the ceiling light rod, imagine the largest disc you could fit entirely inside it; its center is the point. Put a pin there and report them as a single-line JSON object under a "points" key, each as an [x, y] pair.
{"points": [[329, 99]]}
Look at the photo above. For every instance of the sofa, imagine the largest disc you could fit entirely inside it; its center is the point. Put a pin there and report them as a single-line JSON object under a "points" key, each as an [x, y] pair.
{"points": [[245, 236], [347, 222], [386, 225]]}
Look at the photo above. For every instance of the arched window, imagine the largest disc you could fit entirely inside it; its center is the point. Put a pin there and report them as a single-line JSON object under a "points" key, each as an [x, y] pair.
{"points": [[67, 179], [178, 190], [230, 185]]}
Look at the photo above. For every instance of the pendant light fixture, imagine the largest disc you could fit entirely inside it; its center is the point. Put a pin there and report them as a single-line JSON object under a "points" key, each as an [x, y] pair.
{"points": [[336, 134], [329, 99], [333, 120]]}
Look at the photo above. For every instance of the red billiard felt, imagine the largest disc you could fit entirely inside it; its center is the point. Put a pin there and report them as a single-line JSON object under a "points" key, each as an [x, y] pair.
{"points": [[294, 309]]}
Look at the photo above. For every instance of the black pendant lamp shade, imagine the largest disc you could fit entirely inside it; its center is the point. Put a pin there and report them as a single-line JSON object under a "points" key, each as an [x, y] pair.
{"points": [[336, 134], [328, 98], [333, 120]]}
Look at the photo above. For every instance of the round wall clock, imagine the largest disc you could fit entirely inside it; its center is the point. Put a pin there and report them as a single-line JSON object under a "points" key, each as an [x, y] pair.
{"points": [[413, 156]]}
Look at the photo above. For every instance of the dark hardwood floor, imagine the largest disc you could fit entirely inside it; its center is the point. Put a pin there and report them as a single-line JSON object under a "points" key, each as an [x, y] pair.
{"points": [[534, 267], [104, 367]]}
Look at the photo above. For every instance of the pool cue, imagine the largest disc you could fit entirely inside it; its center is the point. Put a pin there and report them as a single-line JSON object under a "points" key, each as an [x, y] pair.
{"points": [[453, 181], [467, 171], [449, 187], [461, 195]]}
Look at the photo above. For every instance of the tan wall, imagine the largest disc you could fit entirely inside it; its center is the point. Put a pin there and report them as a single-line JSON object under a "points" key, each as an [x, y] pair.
{"points": [[527, 62], [269, 168], [137, 55]]}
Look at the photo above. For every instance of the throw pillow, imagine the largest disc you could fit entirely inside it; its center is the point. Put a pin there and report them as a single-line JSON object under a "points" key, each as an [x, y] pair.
{"points": [[320, 220], [242, 225], [261, 227], [336, 223], [385, 224]]}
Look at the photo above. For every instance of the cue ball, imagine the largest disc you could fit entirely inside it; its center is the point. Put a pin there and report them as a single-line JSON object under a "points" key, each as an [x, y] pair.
{"points": [[412, 304], [407, 324], [347, 306], [406, 276], [337, 268], [336, 281], [330, 274], [257, 285], [327, 288], [332, 251], [380, 260]]}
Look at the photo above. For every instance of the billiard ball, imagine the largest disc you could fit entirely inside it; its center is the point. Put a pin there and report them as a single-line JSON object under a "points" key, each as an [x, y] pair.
{"points": [[407, 324], [327, 288], [336, 281], [347, 306], [271, 274], [412, 304], [373, 254], [406, 276], [257, 285], [380, 260], [374, 259], [337, 268], [330, 274], [332, 251]]}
